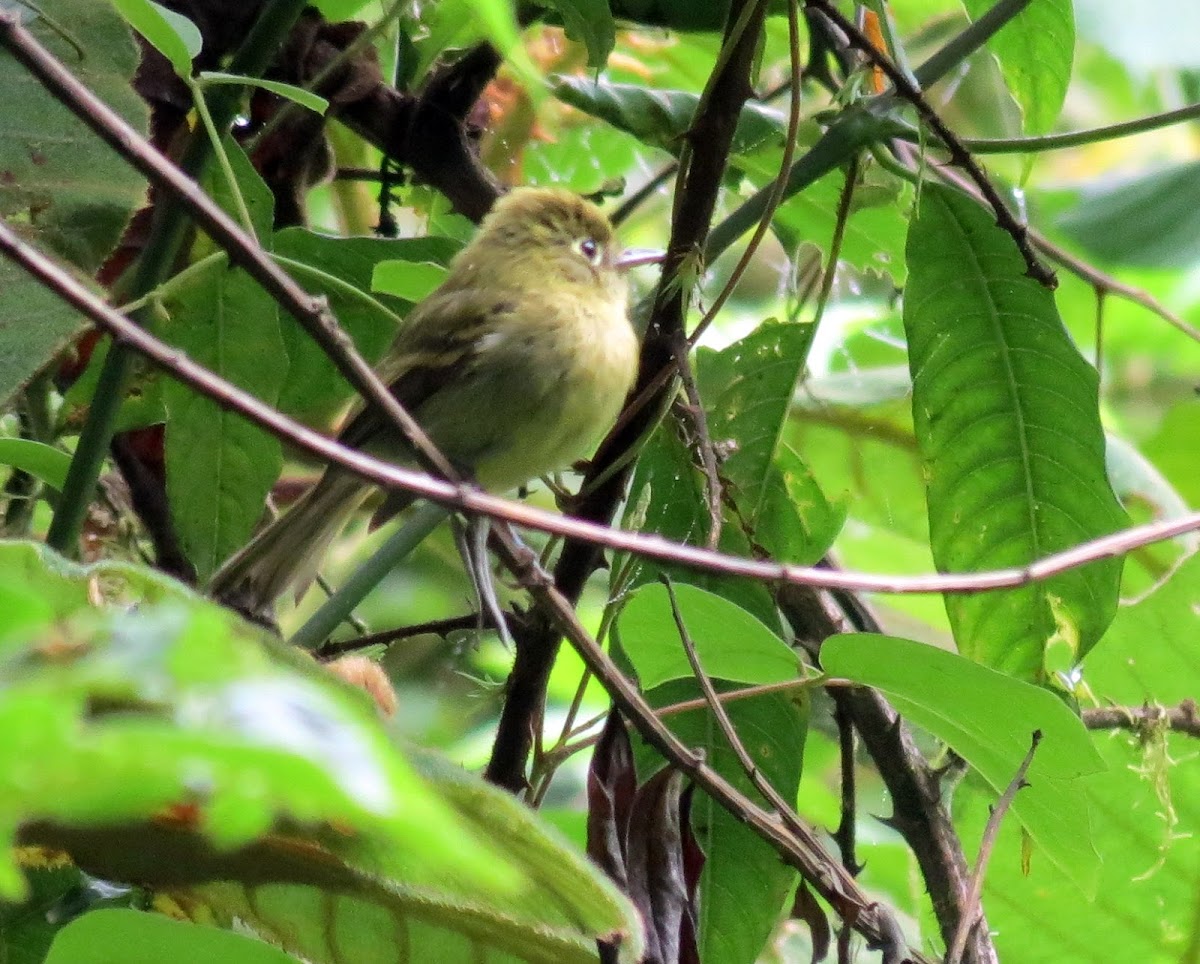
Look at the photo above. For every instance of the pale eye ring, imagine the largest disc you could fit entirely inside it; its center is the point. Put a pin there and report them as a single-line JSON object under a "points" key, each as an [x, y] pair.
{"points": [[590, 249]]}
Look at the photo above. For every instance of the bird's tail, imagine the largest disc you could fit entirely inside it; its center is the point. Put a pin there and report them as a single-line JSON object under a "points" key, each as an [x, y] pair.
{"points": [[286, 554]]}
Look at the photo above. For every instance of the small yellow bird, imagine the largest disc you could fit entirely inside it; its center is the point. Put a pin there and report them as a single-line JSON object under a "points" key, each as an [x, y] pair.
{"points": [[515, 366]]}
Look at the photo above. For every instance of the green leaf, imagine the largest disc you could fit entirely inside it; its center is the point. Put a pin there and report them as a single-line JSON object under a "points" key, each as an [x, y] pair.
{"points": [[730, 643], [743, 884], [747, 389], [988, 719], [61, 186], [1035, 50], [564, 905], [1005, 412], [1143, 819], [220, 467], [873, 238], [410, 280], [796, 523], [156, 737], [171, 34], [1141, 221], [259, 201], [667, 482], [43, 462], [341, 269], [591, 23], [115, 713], [662, 117], [305, 98], [136, 937]]}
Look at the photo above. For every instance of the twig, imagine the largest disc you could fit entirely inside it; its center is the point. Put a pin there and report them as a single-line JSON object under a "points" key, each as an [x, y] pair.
{"points": [[468, 499], [841, 219], [918, 814], [1184, 718], [845, 834], [783, 810], [778, 187], [697, 187], [693, 411], [803, 852], [717, 708], [435, 627], [1067, 139], [1102, 282], [959, 155], [313, 314], [973, 904], [643, 194]]}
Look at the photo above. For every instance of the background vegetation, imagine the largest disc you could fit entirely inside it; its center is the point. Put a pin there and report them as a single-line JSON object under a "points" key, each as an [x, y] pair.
{"points": [[929, 305]]}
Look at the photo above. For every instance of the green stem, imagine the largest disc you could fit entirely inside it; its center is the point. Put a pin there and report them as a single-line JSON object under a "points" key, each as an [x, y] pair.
{"points": [[425, 518], [156, 263], [218, 149], [1094, 135], [333, 282]]}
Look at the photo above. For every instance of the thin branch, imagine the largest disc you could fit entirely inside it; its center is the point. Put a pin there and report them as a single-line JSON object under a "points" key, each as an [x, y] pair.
{"points": [[1107, 284], [778, 187], [313, 314], [974, 895], [845, 834], [693, 411], [1184, 718], [783, 810], [467, 499], [698, 185], [824, 873], [959, 155], [1067, 139], [841, 220], [643, 194], [435, 627], [918, 813]]}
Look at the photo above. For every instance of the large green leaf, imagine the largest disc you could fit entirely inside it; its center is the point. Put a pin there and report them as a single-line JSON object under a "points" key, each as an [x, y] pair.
{"points": [[387, 911], [1005, 412], [167, 742], [1145, 810], [730, 643], [220, 467], [61, 186], [115, 713], [1035, 50], [135, 937], [989, 719], [743, 884], [747, 389]]}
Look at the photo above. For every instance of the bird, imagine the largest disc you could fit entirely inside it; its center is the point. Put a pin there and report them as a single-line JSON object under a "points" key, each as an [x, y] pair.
{"points": [[515, 367]]}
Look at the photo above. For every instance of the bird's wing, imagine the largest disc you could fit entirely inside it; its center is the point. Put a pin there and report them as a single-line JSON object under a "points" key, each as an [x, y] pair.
{"points": [[439, 340]]}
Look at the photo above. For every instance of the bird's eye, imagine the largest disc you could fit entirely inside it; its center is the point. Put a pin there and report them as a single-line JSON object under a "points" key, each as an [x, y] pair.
{"points": [[591, 250]]}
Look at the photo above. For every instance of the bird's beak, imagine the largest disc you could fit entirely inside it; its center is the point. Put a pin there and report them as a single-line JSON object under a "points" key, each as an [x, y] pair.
{"points": [[637, 257]]}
